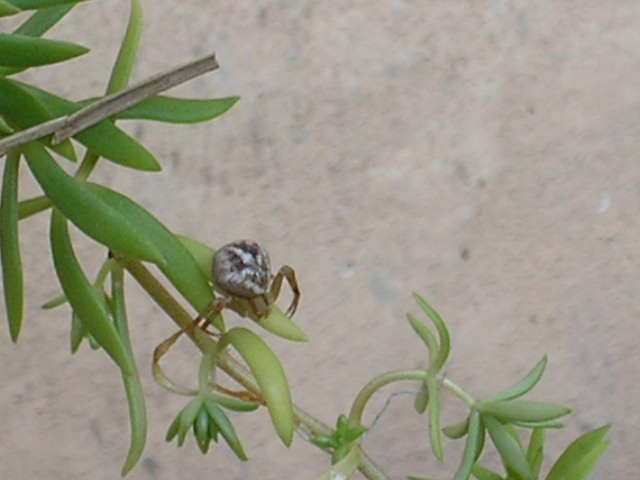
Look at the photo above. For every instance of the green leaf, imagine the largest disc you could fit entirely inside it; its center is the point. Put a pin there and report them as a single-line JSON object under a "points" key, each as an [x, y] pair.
{"points": [[82, 297], [104, 138], [443, 333], [457, 430], [581, 455], [522, 411], [20, 108], [283, 326], [427, 337], [178, 110], [125, 61], [524, 385], [535, 450], [25, 51], [435, 431], [179, 266], [472, 448], [41, 21], [132, 385], [201, 430], [584, 469], [482, 473], [234, 404], [37, 4], [77, 333], [187, 416], [100, 221], [508, 447], [226, 429], [268, 372], [7, 9], [421, 400], [10, 247], [173, 430]]}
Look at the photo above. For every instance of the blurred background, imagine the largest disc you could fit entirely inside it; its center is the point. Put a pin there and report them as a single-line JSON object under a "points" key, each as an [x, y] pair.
{"points": [[483, 154]]}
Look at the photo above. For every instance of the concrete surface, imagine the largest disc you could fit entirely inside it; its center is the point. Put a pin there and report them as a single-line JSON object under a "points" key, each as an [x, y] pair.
{"points": [[484, 154]]}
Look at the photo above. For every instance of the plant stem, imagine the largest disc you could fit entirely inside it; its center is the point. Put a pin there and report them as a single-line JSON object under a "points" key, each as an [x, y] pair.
{"points": [[458, 392], [363, 397], [307, 426]]}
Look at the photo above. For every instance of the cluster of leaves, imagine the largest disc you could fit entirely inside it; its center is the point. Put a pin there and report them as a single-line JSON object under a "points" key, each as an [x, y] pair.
{"points": [[501, 416]]}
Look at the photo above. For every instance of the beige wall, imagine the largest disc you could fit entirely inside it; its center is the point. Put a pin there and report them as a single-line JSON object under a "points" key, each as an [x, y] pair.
{"points": [[484, 154]]}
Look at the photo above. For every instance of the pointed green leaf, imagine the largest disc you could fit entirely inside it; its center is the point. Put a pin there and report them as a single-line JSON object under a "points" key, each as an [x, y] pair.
{"points": [[25, 51], [225, 427], [522, 411], [421, 400], [201, 430], [81, 295], [482, 473], [268, 372], [93, 216], [583, 470], [524, 385], [234, 404], [20, 107], [508, 447], [283, 326], [178, 110], [7, 9], [443, 332], [77, 333], [104, 139], [179, 267], [37, 4], [472, 447], [457, 430], [434, 417], [126, 59], [427, 337], [580, 450], [10, 247], [187, 416], [173, 430], [41, 21], [535, 451], [132, 384]]}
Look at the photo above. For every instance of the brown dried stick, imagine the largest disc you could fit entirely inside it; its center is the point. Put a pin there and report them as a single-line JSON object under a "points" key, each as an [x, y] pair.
{"points": [[65, 127]]}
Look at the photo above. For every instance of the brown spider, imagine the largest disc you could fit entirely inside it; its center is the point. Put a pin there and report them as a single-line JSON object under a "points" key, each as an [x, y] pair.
{"points": [[242, 276]]}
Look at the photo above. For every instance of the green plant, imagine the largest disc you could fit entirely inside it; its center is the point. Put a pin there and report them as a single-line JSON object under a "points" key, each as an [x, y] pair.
{"points": [[40, 128]]}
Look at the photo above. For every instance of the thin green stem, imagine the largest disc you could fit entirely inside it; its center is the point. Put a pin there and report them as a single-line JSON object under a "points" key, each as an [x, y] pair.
{"points": [[459, 392], [363, 397]]}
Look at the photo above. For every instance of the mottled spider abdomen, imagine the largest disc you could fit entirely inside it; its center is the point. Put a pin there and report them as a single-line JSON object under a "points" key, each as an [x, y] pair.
{"points": [[242, 269]]}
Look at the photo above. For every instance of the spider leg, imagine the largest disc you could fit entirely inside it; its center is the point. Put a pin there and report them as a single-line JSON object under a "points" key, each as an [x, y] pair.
{"points": [[286, 272], [212, 311]]}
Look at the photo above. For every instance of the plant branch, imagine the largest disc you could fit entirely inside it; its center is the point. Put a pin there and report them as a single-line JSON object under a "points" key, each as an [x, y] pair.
{"points": [[363, 397], [307, 426], [67, 126]]}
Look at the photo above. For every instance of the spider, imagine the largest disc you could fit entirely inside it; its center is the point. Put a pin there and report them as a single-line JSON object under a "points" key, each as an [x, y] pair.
{"points": [[242, 276]]}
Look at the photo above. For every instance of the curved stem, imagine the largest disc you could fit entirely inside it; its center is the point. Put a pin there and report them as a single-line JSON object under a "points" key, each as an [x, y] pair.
{"points": [[363, 397]]}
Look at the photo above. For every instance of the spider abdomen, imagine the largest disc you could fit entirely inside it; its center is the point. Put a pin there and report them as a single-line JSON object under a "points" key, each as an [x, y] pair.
{"points": [[242, 269]]}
